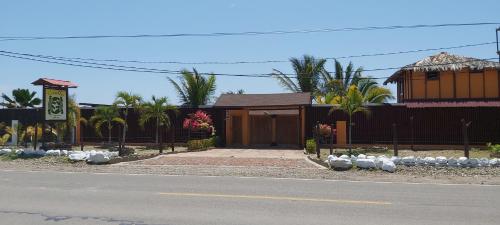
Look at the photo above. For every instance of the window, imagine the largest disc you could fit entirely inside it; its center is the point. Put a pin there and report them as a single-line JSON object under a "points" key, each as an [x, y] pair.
{"points": [[432, 75]]}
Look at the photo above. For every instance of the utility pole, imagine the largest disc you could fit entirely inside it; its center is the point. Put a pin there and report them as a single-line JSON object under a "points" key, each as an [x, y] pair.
{"points": [[498, 47]]}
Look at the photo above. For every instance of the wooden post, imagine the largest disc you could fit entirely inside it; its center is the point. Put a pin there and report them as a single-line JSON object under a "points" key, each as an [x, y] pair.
{"points": [[318, 150], [412, 134], [161, 140], [331, 139], [465, 125], [172, 135], [35, 141], [395, 138]]}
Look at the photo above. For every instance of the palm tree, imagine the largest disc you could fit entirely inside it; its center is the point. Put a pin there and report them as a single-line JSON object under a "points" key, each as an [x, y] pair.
{"points": [[371, 92], [21, 98], [194, 89], [156, 110], [127, 100], [351, 103], [342, 79], [307, 74], [5, 133], [106, 115], [238, 92], [63, 128]]}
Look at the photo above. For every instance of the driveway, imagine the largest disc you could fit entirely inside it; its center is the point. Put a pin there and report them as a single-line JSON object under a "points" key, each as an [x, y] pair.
{"points": [[234, 157]]}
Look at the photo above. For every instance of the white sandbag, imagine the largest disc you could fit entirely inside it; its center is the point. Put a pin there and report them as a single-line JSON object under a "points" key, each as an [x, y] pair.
{"points": [[430, 161], [420, 161], [5, 151], [98, 157], [78, 156], [380, 160], [441, 161], [340, 163], [388, 165], [494, 162], [463, 161], [345, 157], [64, 152], [452, 162], [53, 153], [361, 156], [396, 160], [371, 157], [330, 157], [365, 163], [353, 159], [112, 154], [485, 162], [474, 162], [408, 161], [19, 151]]}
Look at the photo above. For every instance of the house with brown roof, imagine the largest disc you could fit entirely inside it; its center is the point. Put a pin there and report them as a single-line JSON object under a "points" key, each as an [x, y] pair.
{"points": [[446, 79], [263, 120]]}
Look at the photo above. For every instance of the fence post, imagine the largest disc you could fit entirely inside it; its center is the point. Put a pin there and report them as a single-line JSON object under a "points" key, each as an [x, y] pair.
{"points": [[412, 134], [317, 139], [465, 126], [35, 141], [395, 138], [331, 139]]}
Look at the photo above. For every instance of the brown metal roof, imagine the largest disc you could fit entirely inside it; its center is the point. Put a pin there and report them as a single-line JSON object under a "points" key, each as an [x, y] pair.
{"points": [[259, 100], [453, 104], [54, 82]]}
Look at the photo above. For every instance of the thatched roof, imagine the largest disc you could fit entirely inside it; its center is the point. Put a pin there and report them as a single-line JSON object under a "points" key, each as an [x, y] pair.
{"points": [[445, 62]]}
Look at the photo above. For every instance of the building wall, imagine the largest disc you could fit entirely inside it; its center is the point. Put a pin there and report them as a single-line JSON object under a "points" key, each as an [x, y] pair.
{"points": [[460, 85]]}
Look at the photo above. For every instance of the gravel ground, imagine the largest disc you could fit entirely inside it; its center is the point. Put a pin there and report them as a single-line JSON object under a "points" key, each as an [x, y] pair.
{"points": [[402, 174]]}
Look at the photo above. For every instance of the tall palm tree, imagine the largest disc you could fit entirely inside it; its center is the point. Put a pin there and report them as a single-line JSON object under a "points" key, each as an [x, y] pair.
{"points": [[21, 98], [156, 110], [351, 103], [341, 79], [106, 115], [127, 101], [194, 89], [307, 74]]}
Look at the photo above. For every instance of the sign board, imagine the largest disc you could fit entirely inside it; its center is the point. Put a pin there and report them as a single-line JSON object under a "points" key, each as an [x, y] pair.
{"points": [[55, 104]]}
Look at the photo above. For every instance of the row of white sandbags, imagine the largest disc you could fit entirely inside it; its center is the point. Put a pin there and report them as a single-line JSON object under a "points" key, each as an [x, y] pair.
{"points": [[345, 162], [92, 156], [443, 161], [5, 151]]}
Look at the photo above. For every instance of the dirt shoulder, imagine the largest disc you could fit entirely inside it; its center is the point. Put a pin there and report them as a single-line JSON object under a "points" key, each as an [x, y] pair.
{"points": [[403, 174]]}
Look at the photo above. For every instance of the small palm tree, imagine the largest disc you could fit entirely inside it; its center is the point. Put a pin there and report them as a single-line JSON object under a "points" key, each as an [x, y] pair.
{"points": [[307, 73], [21, 98], [371, 92], [105, 115], [194, 89], [351, 103], [156, 110], [127, 101]]}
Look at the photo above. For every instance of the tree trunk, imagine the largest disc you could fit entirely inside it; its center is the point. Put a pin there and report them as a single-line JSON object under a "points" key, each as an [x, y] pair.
{"points": [[109, 133], [350, 137]]}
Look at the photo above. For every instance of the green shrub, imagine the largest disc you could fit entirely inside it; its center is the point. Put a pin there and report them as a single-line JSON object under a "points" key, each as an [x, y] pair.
{"points": [[201, 144], [311, 146], [493, 148]]}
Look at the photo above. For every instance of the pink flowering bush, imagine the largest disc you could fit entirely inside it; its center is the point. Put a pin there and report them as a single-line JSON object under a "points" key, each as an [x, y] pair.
{"points": [[199, 121], [325, 130]]}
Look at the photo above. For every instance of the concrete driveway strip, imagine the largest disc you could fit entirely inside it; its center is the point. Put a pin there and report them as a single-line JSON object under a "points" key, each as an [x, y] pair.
{"points": [[85, 198]]}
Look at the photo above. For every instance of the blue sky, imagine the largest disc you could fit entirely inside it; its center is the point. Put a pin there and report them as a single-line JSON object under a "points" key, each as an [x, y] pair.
{"points": [[121, 17]]}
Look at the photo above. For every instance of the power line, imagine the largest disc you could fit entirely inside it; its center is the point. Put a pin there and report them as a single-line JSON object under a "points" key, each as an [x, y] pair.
{"points": [[160, 71], [265, 61], [247, 33]]}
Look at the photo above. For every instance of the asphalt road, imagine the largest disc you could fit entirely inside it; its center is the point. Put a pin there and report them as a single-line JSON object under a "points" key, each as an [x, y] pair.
{"points": [[83, 198]]}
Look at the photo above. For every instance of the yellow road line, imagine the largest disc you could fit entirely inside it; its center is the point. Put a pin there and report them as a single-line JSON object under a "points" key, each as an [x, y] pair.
{"points": [[212, 195]]}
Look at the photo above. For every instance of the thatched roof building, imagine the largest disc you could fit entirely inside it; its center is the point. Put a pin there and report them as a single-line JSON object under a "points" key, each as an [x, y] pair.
{"points": [[444, 62]]}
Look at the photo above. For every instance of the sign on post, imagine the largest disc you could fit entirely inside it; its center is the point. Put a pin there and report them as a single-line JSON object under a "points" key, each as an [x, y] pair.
{"points": [[55, 104]]}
